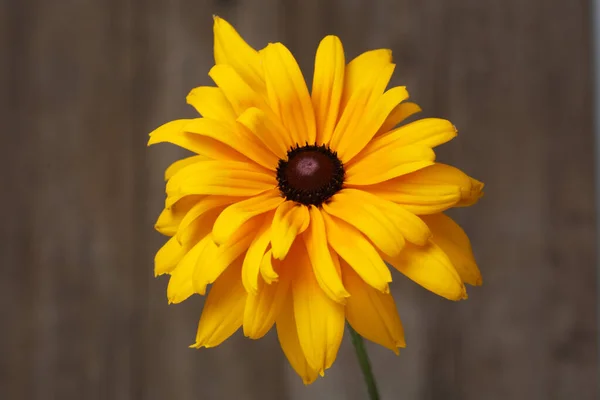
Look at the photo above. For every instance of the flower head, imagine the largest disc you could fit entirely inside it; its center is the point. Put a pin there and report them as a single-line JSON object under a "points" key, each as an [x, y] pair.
{"points": [[295, 200]]}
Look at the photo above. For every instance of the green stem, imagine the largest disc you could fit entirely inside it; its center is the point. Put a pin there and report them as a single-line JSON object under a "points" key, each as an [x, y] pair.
{"points": [[365, 365]]}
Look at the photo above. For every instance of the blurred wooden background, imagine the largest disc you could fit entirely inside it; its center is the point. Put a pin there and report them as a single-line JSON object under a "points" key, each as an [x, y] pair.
{"points": [[83, 82]]}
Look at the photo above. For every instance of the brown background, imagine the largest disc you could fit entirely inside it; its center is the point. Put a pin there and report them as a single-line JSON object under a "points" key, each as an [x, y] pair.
{"points": [[83, 82]]}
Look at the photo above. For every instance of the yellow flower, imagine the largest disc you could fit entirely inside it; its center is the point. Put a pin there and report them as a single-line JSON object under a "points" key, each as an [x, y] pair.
{"points": [[295, 201]]}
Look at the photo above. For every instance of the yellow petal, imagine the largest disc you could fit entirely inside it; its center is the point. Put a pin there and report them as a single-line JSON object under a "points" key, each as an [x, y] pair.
{"points": [[398, 114], [441, 177], [167, 257], [388, 163], [328, 86], [371, 313], [471, 196], [417, 196], [215, 259], [180, 164], [240, 94], [320, 320], [180, 284], [354, 132], [370, 220], [232, 50], [238, 139], [229, 178], [174, 132], [202, 216], [356, 250], [223, 310], [255, 254], [263, 307], [328, 276], [365, 71], [364, 111], [288, 94], [268, 130], [287, 333], [450, 237], [237, 214], [428, 132], [408, 225], [170, 218], [290, 220], [431, 268], [211, 103], [268, 265]]}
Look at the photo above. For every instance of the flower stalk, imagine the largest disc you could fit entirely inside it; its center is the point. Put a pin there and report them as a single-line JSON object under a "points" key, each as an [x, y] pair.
{"points": [[365, 364]]}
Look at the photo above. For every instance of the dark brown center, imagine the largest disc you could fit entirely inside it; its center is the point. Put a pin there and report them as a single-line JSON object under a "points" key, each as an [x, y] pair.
{"points": [[311, 174]]}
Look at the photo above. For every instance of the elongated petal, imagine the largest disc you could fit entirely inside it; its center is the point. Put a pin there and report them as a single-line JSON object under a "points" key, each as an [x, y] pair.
{"points": [[388, 163], [287, 332], [180, 164], [215, 259], [288, 94], [371, 313], [356, 250], [419, 192], [236, 214], [431, 268], [428, 132], [320, 320], [370, 220], [255, 254], [202, 216], [237, 138], [365, 71], [290, 220], [239, 93], [170, 218], [409, 225], [438, 178], [232, 50], [450, 237], [471, 189], [168, 257], [263, 307], [328, 86], [268, 267], [229, 178], [353, 133], [328, 276], [180, 284], [268, 130], [210, 102], [470, 197], [398, 114], [223, 310], [174, 132]]}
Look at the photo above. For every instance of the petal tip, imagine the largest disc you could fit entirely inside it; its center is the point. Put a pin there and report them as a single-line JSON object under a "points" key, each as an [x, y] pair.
{"points": [[307, 380]]}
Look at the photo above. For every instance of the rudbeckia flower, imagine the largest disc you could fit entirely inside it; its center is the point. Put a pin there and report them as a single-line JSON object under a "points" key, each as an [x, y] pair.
{"points": [[296, 202]]}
